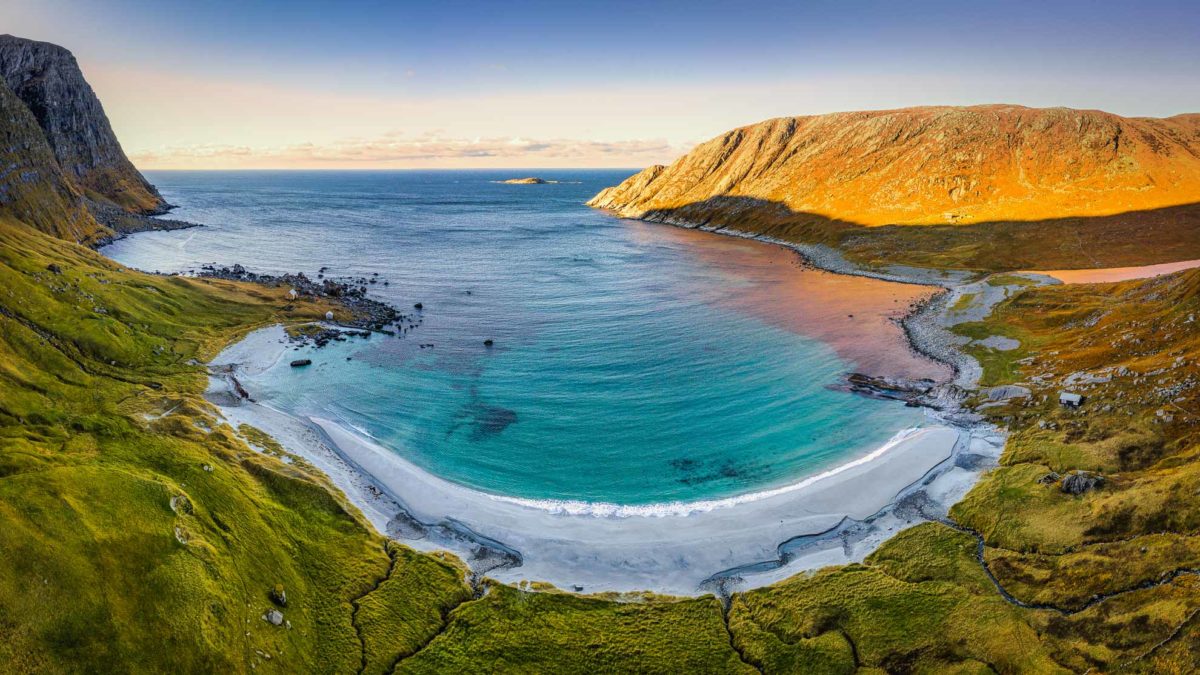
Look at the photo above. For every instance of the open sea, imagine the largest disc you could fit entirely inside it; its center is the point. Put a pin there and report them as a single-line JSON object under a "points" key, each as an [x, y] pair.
{"points": [[632, 363]]}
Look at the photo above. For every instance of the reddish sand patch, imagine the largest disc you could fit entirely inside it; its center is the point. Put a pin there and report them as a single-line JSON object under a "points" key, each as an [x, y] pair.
{"points": [[1118, 273], [856, 316]]}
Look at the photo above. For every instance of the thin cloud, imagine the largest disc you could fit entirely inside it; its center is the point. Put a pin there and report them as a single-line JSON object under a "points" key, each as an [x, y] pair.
{"points": [[395, 150]]}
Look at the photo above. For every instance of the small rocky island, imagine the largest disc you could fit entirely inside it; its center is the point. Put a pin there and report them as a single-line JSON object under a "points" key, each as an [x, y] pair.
{"points": [[526, 181]]}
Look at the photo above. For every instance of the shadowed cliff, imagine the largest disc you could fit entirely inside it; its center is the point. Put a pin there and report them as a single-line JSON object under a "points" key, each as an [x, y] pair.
{"points": [[32, 187], [1120, 240], [48, 80]]}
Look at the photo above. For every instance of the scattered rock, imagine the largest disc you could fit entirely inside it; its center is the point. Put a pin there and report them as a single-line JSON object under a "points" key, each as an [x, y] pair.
{"points": [[54, 268], [1050, 478], [181, 504], [1007, 392], [301, 362], [273, 617], [278, 595], [488, 342], [1079, 482], [350, 293]]}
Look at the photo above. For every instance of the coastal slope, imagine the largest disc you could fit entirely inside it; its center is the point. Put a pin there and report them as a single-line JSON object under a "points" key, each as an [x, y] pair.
{"points": [[987, 169]]}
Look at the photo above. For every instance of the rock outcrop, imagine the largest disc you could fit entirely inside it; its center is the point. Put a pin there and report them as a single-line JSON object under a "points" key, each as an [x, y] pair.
{"points": [[929, 165], [48, 80], [33, 188]]}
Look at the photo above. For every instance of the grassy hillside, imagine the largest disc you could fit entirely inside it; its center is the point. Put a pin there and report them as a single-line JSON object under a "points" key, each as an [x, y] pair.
{"points": [[935, 165], [137, 532], [993, 187]]}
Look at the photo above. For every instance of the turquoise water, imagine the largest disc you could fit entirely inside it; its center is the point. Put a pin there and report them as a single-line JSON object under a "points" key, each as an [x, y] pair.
{"points": [[624, 369]]}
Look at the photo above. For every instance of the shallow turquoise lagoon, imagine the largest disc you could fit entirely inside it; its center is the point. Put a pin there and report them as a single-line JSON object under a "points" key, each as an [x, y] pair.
{"points": [[624, 368]]}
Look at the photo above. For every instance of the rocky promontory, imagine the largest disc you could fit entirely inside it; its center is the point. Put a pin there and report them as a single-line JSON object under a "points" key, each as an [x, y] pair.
{"points": [[924, 166], [62, 169], [33, 188], [48, 80]]}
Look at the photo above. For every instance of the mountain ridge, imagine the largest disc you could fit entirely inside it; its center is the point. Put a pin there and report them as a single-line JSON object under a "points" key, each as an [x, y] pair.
{"points": [[932, 165]]}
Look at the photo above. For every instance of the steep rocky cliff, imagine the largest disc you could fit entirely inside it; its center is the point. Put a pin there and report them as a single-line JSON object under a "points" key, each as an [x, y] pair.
{"points": [[930, 165], [48, 80], [32, 187]]}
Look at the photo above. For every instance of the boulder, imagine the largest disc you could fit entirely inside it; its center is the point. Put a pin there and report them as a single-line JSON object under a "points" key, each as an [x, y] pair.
{"points": [[273, 617], [1050, 478], [279, 596], [1079, 482], [1007, 392]]}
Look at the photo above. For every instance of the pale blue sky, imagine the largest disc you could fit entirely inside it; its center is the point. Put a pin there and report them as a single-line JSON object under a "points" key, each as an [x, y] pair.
{"points": [[366, 83]]}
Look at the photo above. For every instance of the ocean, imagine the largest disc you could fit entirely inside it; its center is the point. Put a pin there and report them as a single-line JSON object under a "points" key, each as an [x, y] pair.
{"points": [[631, 363]]}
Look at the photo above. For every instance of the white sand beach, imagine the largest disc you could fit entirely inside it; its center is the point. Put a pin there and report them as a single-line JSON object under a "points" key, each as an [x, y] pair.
{"points": [[835, 517]]}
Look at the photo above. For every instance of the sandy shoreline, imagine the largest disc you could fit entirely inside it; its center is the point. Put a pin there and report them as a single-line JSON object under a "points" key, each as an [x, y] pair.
{"points": [[834, 518]]}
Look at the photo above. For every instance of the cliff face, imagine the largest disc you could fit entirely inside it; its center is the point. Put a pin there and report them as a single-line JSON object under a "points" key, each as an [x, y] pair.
{"points": [[48, 80], [933, 165], [33, 188]]}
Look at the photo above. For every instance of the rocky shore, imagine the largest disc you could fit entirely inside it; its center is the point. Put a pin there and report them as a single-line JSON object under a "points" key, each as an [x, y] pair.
{"points": [[365, 314], [124, 223]]}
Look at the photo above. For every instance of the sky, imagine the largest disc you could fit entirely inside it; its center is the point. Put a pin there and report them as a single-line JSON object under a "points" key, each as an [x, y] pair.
{"points": [[367, 84]]}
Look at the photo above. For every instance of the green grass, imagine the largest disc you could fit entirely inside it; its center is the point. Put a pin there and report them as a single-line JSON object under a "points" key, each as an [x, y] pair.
{"points": [[918, 603], [510, 630], [1000, 366], [410, 607], [121, 551], [964, 302], [1001, 280]]}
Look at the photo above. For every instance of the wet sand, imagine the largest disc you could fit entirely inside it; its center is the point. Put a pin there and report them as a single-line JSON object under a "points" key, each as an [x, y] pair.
{"points": [[1118, 273]]}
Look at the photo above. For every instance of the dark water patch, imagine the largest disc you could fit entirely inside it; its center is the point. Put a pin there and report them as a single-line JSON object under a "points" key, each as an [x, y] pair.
{"points": [[483, 421], [728, 470]]}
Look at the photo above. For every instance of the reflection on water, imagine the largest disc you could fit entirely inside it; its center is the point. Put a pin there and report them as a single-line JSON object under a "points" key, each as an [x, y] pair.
{"points": [[857, 316]]}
